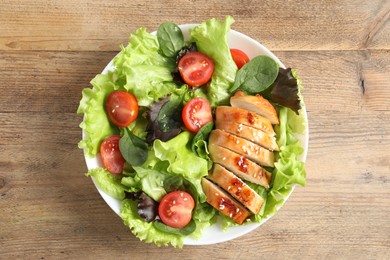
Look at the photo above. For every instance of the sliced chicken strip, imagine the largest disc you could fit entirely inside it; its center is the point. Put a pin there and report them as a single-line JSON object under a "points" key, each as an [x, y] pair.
{"points": [[236, 187], [243, 147], [256, 104], [250, 133], [223, 202], [239, 165], [245, 117]]}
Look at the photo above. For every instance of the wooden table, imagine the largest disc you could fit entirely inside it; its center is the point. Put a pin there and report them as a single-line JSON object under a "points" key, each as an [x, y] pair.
{"points": [[50, 50]]}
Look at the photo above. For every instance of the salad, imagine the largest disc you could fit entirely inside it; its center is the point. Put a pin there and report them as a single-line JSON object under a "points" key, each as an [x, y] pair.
{"points": [[157, 122]]}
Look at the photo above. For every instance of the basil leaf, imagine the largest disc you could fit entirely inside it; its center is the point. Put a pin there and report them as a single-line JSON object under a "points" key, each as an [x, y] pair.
{"points": [[133, 149], [184, 231], [169, 116], [256, 75], [170, 38]]}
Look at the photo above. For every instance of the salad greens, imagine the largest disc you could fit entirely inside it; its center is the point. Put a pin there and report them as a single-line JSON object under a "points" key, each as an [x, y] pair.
{"points": [[211, 39], [96, 125], [170, 38], [257, 75], [285, 90], [109, 183], [133, 149], [160, 156]]}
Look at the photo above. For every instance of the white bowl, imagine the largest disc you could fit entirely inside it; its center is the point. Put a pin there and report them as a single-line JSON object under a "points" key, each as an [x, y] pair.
{"points": [[215, 233]]}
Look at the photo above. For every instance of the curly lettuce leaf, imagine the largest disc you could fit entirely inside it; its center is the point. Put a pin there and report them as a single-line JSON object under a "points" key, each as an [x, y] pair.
{"points": [[146, 231], [149, 181], [96, 125], [182, 160], [108, 183], [142, 70], [289, 170], [204, 216], [211, 39]]}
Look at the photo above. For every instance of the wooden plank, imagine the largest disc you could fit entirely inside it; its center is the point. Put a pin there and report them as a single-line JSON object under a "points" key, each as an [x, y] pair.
{"points": [[103, 26], [334, 81]]}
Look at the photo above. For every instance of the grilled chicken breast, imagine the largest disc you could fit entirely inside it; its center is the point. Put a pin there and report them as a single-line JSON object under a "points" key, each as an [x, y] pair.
{"points": [[220, 200], [256, 104], [237, 188], [243, 147], [252, 134], [239, 165], [245, 117]]}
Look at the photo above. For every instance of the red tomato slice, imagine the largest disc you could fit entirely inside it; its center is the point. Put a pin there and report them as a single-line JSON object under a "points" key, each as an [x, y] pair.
{"points": [[196, 68], [239, 57], [175, 209], [112, 158], [121, 108], [196, 113]]}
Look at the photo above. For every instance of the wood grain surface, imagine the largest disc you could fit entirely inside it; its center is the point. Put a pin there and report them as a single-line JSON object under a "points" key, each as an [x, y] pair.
{"points": [[50, 50]]}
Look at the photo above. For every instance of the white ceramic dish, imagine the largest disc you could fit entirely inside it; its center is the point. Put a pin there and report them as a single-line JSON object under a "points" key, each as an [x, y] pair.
{"points": [[213, 234]]}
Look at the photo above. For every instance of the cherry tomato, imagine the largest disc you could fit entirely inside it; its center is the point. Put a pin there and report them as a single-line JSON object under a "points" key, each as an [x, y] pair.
{"points": [[196, 113], [196, 68], [122, 108], [239, 57], [175, 209], [112, 158]]}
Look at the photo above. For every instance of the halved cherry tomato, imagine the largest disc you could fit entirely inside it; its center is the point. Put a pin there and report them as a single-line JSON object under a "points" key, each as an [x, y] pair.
{"points": [[239, 57], [175, 209], [112, 158], [121, 108], [196, 68], [196, 113]]}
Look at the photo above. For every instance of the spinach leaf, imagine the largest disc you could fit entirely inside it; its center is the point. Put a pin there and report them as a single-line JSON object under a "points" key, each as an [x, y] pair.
{"points": [[257, 75], [170, 38], [153, 129], [169, 116], [133, 149], [184, 231]]}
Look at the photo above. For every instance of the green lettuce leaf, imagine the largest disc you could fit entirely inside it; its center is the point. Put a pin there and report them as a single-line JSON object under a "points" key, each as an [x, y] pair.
{"points": [[108, 183], [142, 70], [146, 231], [151, 182], [96, 125], [288, 169], [182, 160], [211, 39], [204, 216]]}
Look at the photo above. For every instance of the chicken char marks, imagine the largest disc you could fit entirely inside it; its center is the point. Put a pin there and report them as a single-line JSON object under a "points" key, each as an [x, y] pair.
{"points": [[242, 144]]}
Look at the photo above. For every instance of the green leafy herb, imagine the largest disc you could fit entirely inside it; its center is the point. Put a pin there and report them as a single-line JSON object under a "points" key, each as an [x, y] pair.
{"points": [[199, 143], [159, 121], [201, 135], [285, 90], [133, 148], [257, 75], [170, 39], [169, 116], [147, 207], [184, 231]]}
